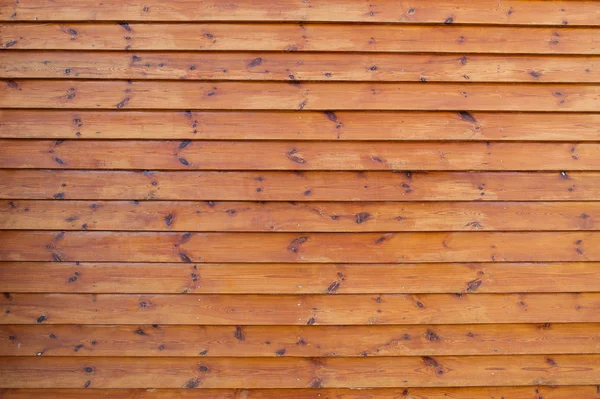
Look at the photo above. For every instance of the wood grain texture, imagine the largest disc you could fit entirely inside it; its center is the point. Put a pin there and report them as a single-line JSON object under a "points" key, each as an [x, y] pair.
{"points": [[247, 278], [299, 247], [299, 37], [299, 186], [298, 66], [423, 371], [299, 309], [338, 125], [298, 341], [297, 216], [514, 12], [297, 96], [548, 392], [248, 155]]}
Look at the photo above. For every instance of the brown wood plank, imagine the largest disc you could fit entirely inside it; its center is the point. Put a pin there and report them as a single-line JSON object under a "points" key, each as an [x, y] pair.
{"points": [[426, 371], [298, 96], [303, 186], [298, 247], [248, 155], [514, 12], [238, 310], [339, 125], [297, 216], [547, 392], [315, 341], [299, 37], [299, 67], [280, 278]]}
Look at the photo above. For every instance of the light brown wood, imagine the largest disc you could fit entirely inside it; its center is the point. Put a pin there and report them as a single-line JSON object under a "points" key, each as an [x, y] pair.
{"points": [[299, 37], [302, 341], [300, 247], [225, 155], [299, 309], [297, 96], [423, 371], [555, 392], [376, 67], [330, 125], [247, 278], [514, 12], [297, 216]]}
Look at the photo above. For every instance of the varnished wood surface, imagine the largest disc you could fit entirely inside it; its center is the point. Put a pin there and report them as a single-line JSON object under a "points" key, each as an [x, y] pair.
{"points": [[294, 66], [273, 125], [515, 12]]}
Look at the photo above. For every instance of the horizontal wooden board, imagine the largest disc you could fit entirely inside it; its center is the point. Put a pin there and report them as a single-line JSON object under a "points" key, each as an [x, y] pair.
{"points": [[261, 155], [298, 247], [299, 67], [297, 216], [426, 371], [339, 125], [280, 278], [299, 37], [314, 341], [299, 309], [515, 12], [547, 392], [298, 96], [302, 186]]}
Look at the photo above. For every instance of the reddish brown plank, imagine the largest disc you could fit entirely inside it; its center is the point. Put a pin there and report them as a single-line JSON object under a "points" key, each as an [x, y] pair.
{"points": [[375, 67], [304, 310], [338, 125], [297, 216], [299, 37], [26, 372], [564, 392], [249, 155], [281, 278], [303, 186], [298, 96], [298, 247], [515, 12]]}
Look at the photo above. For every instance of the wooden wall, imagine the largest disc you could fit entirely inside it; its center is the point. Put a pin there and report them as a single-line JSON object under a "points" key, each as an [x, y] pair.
{"points": [[300, 199]]}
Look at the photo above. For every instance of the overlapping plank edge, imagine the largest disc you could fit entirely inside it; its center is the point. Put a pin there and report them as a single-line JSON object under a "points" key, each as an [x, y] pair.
{"points": [[299, 37], [248, 278], [512, 12], [307, 125], [425, 371], [299, 341], [227, 155], [299, 186], [189, 216], [321, 96], [548, 392], [299, 67]]}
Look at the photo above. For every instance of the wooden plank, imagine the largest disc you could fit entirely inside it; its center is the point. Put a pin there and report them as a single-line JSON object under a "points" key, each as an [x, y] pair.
{"points": [[514, 12], [563, 392], [298, 96], [303, 186], [280, 278], [299, 66], [298, 247], [426, 371], [315, 341], [297, 216], [299, 309], [339, 125], [299, 37], [296, 155]]}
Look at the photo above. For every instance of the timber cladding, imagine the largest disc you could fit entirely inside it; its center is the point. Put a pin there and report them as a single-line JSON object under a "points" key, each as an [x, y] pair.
{"points": [[308, 199]]}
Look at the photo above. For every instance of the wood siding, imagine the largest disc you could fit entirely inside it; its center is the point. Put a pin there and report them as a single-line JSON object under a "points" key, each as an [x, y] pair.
{"points": [[300, 199]]}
